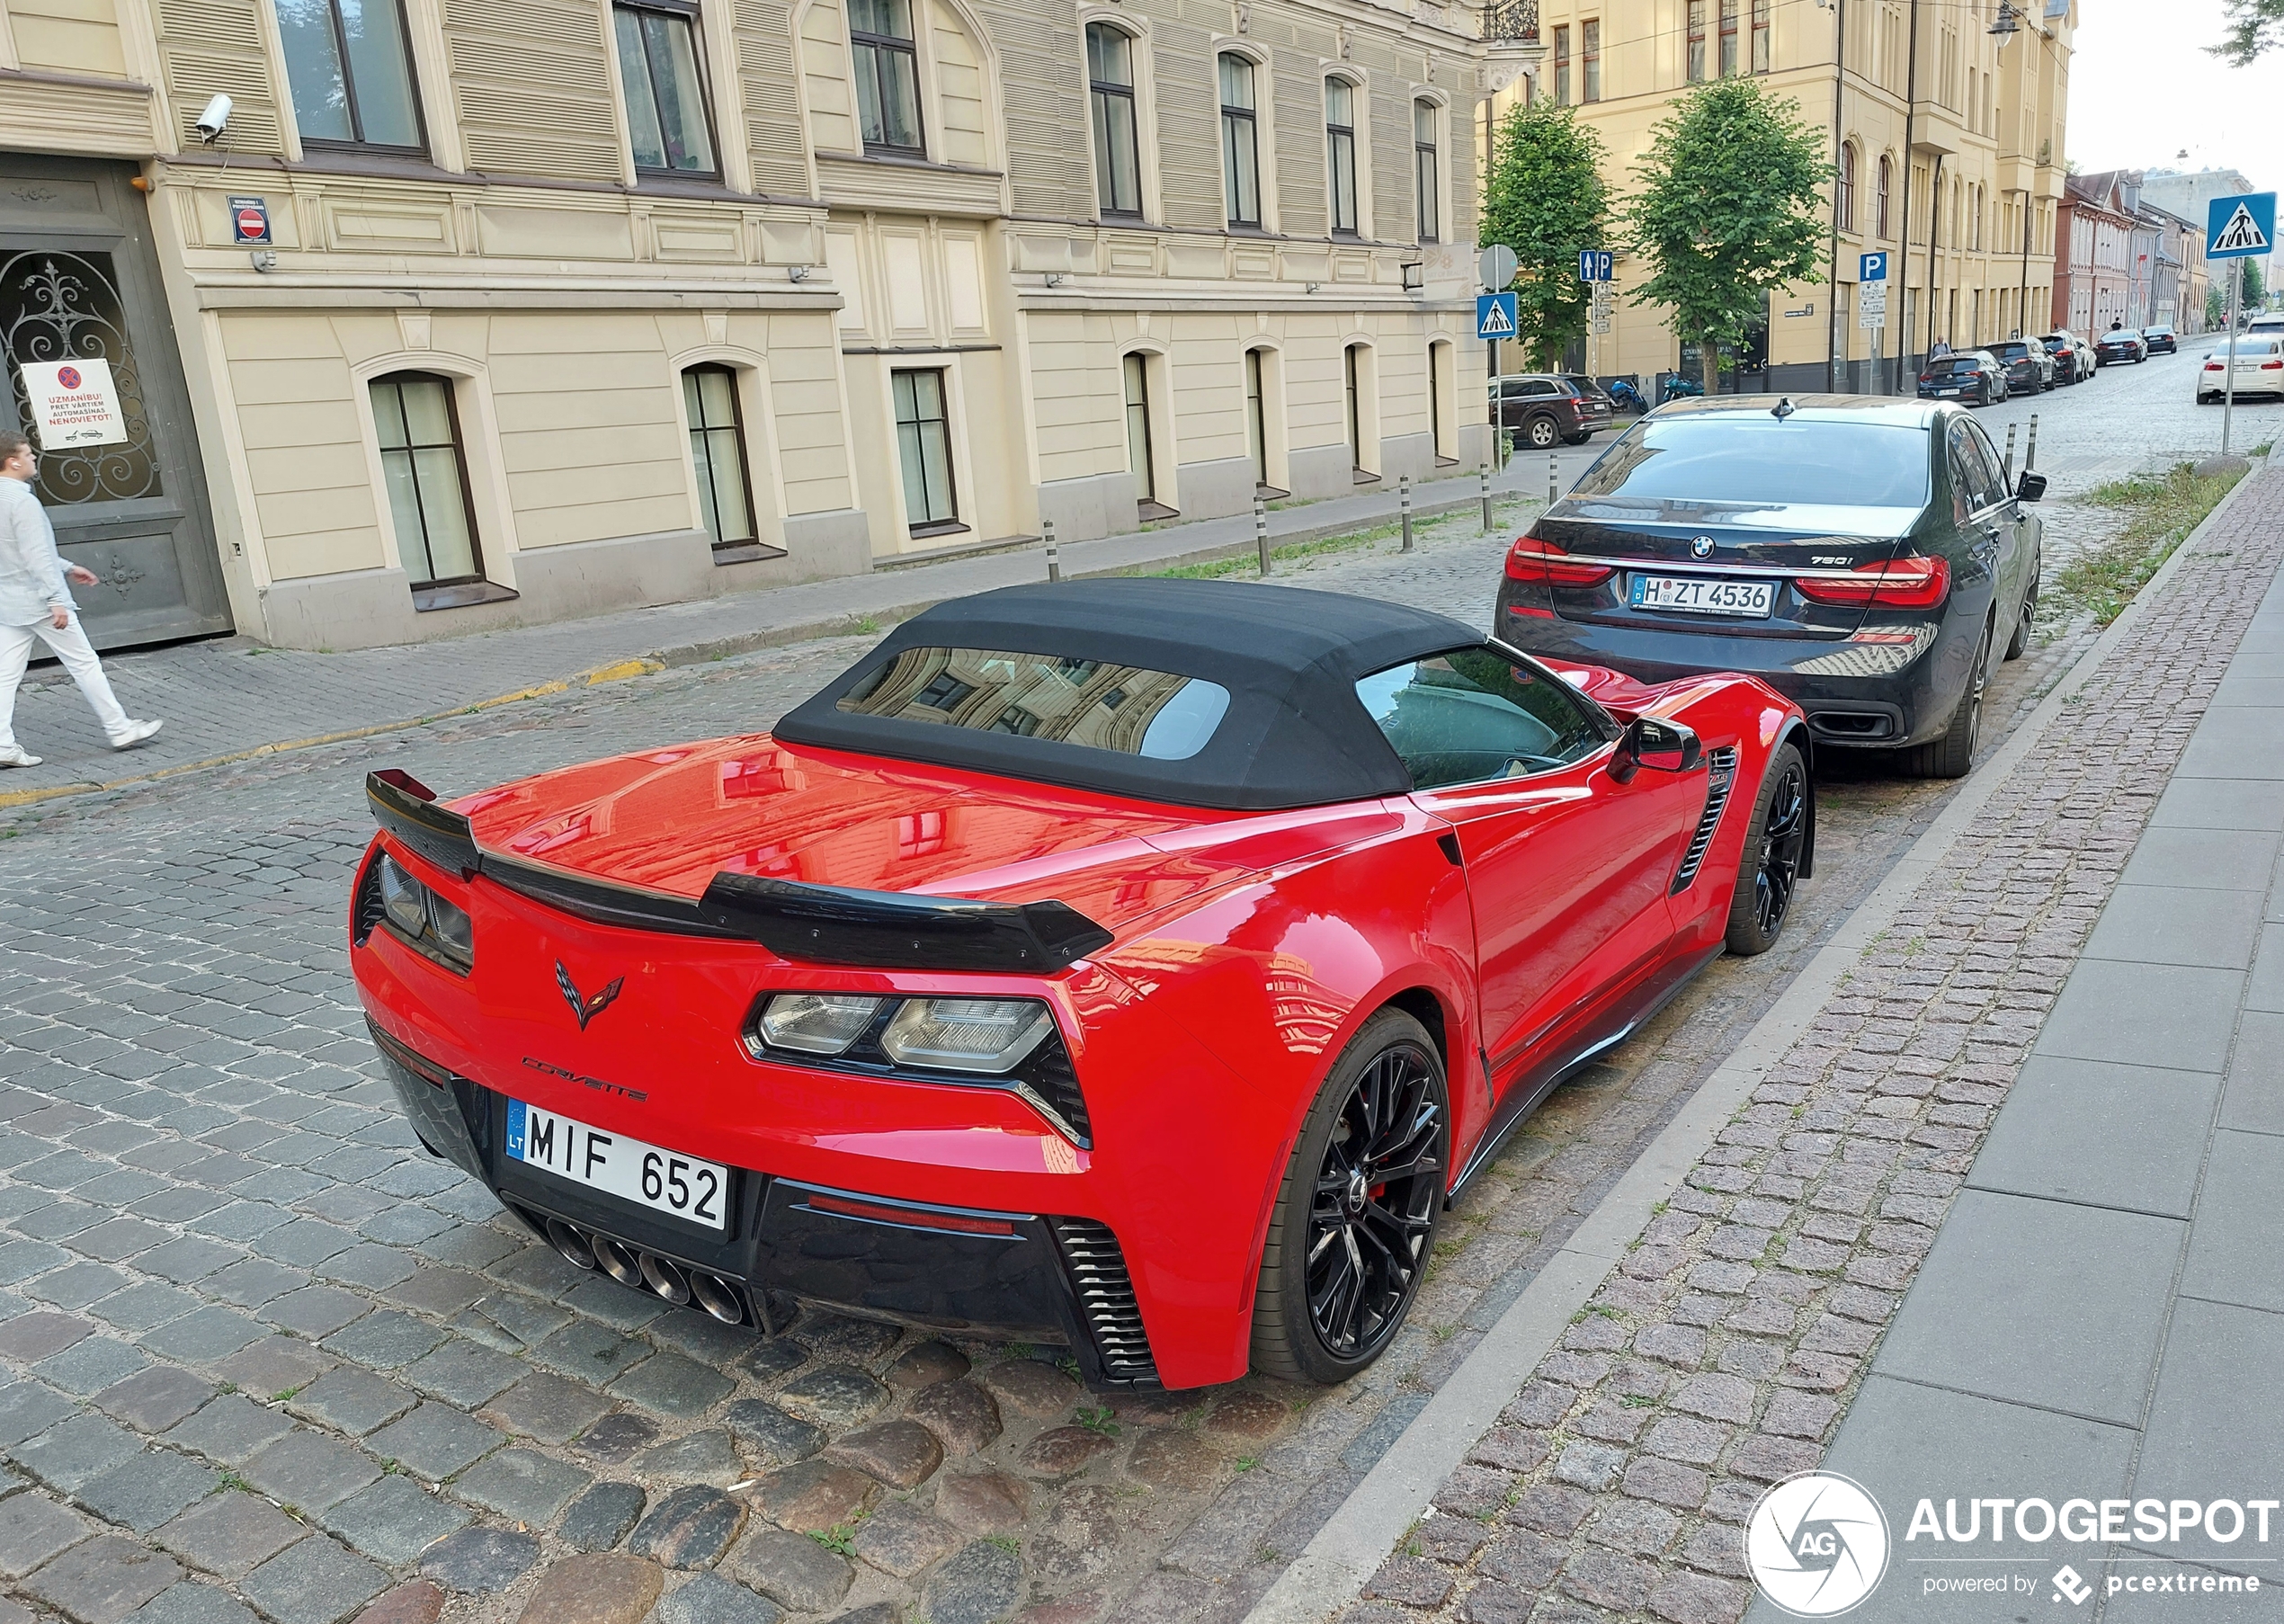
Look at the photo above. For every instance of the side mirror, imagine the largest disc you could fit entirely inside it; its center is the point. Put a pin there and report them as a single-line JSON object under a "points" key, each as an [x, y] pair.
{"points": [[2030, 487], [1662, 747]]}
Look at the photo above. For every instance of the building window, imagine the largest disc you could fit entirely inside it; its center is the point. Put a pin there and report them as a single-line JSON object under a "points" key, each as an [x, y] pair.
{"points": [[419, 427], [1118, 153], [1339, 141], [1353, 406], [1844, 196], [1562, 66], [1256, 419], [660, 70], [1590, 60], [1880, 221], [887, 75], [923, 443], [1728, 38], [1427, 170], [1240, 143], [1697, 41], [1137, 369], [1759, 36], [1439, 439], [348, 73], [718, 453]]}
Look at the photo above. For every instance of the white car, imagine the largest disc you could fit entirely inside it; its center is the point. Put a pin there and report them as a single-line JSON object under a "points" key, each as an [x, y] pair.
{"points": [[2258, 360]]}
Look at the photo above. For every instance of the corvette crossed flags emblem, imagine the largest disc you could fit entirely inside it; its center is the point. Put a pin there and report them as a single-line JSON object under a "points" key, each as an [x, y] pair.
{"points": [[586, 1009]]}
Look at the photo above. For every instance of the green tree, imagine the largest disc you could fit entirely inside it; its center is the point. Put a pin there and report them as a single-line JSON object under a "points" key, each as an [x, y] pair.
{"points": [[1546, 199], [2253, 26], [2255, 295], [1730, 207], [2216, 308]]}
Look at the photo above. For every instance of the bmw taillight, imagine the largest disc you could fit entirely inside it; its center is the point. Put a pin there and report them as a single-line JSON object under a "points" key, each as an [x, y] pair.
{"points": [[1913, 583], [2214, 366], [1541, 563], [2273, 366]]}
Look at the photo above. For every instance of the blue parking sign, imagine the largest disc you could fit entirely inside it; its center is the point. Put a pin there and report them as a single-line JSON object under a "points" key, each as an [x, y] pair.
{"points": [[1871, 268], [1495, 315], [1594, 265]]}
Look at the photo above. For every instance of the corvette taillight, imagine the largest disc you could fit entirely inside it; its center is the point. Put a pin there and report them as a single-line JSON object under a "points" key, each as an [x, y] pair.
{"points": [[1913, 583], [1544, 564]]}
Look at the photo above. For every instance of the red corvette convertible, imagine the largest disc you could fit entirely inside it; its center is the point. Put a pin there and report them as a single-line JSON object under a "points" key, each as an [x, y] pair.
{"points": [[1138, 966]]}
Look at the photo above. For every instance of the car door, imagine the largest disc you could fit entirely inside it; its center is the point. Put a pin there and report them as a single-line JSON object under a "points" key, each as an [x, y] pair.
{"points": [[1566, 867], [1992, 530]]}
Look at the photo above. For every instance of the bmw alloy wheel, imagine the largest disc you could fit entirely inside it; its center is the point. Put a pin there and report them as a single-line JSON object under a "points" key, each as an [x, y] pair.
{"points": [[1377, 1190]]}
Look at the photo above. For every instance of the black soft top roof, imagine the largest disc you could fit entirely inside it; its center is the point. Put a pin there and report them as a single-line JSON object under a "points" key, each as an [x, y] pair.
{"points": [[1295, 735]]}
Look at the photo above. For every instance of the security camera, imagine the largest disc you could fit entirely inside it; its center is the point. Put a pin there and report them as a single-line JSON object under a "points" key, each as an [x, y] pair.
{"points": [[214, 121]]}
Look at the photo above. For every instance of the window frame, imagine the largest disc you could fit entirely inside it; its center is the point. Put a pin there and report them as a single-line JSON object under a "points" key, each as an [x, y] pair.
{"points": [[459, 448], [1728, 59], [1693, 59], [1134, 395], [1427, 171], [1232, 116], [735, 428], [929, 526], [1761, 58], [1886, 184], [1562, 65], [1099, 93], [692, 18], [1598, 724], [357, 141], [1844, 187], [1333, 135], [1590, 60], [908, 48]]}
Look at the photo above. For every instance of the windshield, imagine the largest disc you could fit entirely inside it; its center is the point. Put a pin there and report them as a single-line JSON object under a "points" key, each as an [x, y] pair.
{"points": [[1765, 462], [2120, 335], [1090, 702], [2251, 346], [1473, 714]]}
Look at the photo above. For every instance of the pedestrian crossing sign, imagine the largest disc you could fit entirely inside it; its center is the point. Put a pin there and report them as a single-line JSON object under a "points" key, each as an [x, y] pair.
{"points": [[2240, 227], [1495, 315]]}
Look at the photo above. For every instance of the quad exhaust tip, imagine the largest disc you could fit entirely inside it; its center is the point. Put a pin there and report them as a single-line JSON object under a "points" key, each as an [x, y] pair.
{"points": [[645, 1271]]}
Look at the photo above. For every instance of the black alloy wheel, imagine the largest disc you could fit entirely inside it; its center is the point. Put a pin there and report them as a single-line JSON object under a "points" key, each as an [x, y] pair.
{"points": [[1951, 755], [1776, 843], [1354, 1224], [2019, 644], [1541, 433]]}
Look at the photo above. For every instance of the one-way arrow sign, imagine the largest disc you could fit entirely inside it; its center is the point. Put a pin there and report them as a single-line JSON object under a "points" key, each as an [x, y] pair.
{"points": [[2236, 228]]}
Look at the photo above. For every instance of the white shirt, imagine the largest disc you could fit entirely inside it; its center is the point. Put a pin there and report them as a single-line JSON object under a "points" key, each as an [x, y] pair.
{"points": [[32, 571]]}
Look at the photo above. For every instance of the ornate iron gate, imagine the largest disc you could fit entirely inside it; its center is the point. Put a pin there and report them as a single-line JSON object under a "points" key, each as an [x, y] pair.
{"points": [[79, 281]]}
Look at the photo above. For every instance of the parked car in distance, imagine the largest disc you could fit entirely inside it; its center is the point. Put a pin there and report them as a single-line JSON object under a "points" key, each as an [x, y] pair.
{"points": [[1866, 558], [1544, 407], [2120, 343], [2029, 369], [1972, 377], [2258, 360], [2073, 356], [2161, 337]]}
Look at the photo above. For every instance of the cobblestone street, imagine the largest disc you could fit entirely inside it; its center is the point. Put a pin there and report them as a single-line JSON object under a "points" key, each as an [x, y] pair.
{"points": [[260, 1356]]}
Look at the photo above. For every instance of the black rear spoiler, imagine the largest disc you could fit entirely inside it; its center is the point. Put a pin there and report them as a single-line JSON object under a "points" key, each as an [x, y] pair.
{"points": [[821, 924]]}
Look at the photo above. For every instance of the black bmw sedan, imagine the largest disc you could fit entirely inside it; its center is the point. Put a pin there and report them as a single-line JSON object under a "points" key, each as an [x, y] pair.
{"points": [[1866, 557]]}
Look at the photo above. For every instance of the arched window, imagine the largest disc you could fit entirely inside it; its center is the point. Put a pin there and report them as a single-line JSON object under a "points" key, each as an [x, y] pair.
{"points": [[1886, 172], [1844, 199], [1109, 94], [718, 455], [1340, 153], [1240, 142], [419, 426], [1427, 170]]}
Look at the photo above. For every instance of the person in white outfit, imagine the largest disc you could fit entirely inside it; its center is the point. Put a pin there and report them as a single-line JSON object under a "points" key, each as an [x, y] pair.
{"points": [[36, 606]]}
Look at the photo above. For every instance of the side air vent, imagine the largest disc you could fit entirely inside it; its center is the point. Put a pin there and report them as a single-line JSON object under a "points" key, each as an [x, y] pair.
{"points": [[1105, 1293], [365, 912], [1721, 779]]}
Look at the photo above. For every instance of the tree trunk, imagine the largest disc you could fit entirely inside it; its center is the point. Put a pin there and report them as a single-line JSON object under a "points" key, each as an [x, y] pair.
{"points": [[1709, 358]]}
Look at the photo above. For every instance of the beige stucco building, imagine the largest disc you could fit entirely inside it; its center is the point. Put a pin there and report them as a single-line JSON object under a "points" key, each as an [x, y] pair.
{"points": [[484, 312], [1980, 116]]}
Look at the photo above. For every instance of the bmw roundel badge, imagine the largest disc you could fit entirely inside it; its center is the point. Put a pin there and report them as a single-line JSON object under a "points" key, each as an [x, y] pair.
{"points": [[1701, 546]]}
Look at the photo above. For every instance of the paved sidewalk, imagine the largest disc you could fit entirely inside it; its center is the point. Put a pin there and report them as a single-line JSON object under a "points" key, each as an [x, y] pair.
{"points": [[232, 697], [2092, 1305]]}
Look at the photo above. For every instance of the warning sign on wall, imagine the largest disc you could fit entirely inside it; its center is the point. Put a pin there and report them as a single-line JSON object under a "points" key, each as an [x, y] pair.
{"points": [[74, 404]]}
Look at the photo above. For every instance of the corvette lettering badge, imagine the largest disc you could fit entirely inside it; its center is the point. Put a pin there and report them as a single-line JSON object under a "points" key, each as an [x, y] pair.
{"points": [[586, 1009]]}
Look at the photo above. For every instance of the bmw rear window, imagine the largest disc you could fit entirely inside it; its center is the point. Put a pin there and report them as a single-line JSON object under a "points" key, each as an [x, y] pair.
{"points": [[1762, 461], [1944, 365], [1095, 703]]}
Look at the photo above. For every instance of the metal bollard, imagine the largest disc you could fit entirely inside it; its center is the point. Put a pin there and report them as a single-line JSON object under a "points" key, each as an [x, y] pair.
{"points": [[2030, 452], [1553, 476], [1483, 470], [1054, 558], [1403, 505], [1261, 531], [2007, 467]]}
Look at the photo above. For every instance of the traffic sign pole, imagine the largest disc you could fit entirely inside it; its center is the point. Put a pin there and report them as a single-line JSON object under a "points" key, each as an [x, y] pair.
{"points": [[2229, 384]]}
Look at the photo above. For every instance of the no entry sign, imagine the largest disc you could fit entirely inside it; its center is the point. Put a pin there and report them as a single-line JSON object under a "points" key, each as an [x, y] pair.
{"points": [[249, 219]]}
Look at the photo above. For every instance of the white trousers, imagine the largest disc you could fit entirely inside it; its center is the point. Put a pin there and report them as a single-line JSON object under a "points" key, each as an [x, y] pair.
{"points": [[78, 656]]}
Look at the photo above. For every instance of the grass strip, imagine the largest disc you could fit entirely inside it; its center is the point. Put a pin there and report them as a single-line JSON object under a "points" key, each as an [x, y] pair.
{"points": [[2160, 513]]}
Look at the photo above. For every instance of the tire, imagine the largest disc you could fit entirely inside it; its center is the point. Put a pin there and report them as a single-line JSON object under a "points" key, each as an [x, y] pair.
{"points": [[1774, 841], [2019, 644], [1951, 755], [1391, 1055], [1540, 433], [1578, 439]]}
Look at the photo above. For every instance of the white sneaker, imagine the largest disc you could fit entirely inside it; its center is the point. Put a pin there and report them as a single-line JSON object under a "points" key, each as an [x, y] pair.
{"points": [[16, 755], [134, 734]]}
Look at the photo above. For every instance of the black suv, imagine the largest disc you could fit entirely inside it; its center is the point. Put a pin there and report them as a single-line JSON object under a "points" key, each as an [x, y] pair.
{"points": [[1543, 408], [1972, 378], [2029, 369]]}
